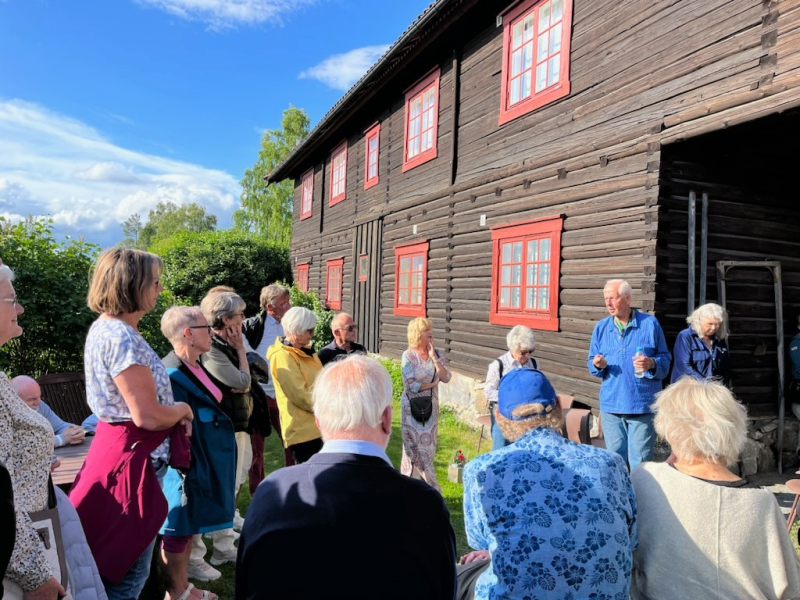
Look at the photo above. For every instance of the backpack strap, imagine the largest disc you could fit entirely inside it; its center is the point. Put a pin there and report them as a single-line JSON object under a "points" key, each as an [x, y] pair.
{"points": [[500, 367]]}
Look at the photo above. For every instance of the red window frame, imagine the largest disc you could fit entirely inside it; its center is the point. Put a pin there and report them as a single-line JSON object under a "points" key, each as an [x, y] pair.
{"points": [[306, 194], [421, 121], [302, 277], [334, 274], [338, 169], [410, 295], [372, 147], [363, 267], [518, 289], [528, 56]]}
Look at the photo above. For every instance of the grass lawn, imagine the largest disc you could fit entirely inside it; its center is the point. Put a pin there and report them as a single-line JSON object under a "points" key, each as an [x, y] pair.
{"points": [[453, 436]]}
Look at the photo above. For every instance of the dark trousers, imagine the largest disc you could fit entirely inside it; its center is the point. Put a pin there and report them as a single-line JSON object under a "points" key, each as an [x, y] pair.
{"points": [[305, 450], [256, 473]]}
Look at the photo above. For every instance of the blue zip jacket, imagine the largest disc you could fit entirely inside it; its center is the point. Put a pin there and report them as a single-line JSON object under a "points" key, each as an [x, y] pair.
{"points": [[209, 484], [694, 358], [622, 392]]}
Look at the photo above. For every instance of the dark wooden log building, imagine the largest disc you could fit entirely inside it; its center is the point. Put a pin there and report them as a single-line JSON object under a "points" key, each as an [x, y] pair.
{"points": [[505, 158]]}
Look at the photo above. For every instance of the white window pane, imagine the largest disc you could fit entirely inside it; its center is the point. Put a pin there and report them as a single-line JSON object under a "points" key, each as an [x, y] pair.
{"points": [[417, 297], [543, 300], [506, 253], [541, 47], [428, 140], [403, 297], [528, 25], [544, 16], [516, 35], [514, 94], [531, 275], [554, 66], [544, 249], [430, 96], [413, 147], [505, 298], [533, 247], [517, 252], [505, 277], [515, 298], [516, 62], [404, 279], [530, 298], [526, 84], [527, 56], [425, 123], [516, 274], [417, 281], [541, 77], [416, 106], [555, 39], [557, 10], [544, 274], [405, 264], [418, 263]]}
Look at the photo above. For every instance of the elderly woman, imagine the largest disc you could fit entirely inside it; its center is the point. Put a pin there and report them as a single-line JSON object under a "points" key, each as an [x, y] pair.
{"points": [[521, 343], [703, 531], [294, 365], [201, 499], [226, 362], [117, 492], [701, 350], [422, 367]]}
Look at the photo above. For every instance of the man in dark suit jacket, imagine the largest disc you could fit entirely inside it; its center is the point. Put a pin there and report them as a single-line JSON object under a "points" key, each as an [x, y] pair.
{"points": [[346, 524]]}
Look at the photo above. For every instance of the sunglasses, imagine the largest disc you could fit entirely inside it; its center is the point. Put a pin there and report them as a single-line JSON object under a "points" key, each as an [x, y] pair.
{"points": [[350, 328], [206, 327], [526, 352]]}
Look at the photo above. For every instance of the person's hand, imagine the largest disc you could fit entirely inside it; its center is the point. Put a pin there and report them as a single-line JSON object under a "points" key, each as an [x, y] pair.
{"points": [[187, 426], [431, 350], [49, 590], [54, 465], [233, 335], [74, 434], [599, 361], [473, 556], [643, 363]]}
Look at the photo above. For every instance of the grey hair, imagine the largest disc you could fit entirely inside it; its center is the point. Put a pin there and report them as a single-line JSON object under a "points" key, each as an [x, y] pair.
{"points": [[178, 318], [217, 305], [701, 420], [6, 274], [624, 288], [298, 319], [270, 294], [336, 322], [709, 311], [350, 393], [521, 337]]}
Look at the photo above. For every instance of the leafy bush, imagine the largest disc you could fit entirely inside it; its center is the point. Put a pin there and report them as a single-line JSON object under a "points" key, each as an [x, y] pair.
{"points": [[393, 366], [322, 331], [150, 325], [196, 262], [51, 281]]}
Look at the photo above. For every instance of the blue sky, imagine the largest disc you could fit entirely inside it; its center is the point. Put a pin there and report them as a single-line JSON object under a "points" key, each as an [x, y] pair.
{"points": [[109, 106]]}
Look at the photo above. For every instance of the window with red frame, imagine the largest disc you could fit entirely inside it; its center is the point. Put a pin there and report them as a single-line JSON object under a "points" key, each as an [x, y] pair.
{"points": [[422, 115], [536, 41], [338, 173], [302, 277], [363, 267], [411, 277], [525, 273], [333, 287], [307, 194], [371, 151]]}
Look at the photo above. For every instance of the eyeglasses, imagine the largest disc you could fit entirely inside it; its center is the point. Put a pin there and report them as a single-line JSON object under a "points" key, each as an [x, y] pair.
{"points": [[14, 302], [310, 331], [350, 328], [206, 327], [525, 352]]}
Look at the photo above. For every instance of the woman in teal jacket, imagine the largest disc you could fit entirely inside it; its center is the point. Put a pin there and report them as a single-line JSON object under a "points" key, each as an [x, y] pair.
{"points": [[200, 499]]}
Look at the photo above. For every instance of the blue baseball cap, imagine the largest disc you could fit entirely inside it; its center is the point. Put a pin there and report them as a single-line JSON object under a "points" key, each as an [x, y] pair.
{"points": [[524, 386]]}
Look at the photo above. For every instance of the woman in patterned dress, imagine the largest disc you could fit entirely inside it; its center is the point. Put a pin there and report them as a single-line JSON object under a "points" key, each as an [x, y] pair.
{"points": [[422, 367]]}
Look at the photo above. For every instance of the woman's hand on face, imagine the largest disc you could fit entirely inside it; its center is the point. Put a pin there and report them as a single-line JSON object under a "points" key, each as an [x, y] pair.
{"points": [[431, 350], [233, 336], [49, 590]]}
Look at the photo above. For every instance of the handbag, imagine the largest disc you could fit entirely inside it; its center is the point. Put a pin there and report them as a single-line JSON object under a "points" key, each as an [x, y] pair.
{"points": [[47, 525], [421, 405]]}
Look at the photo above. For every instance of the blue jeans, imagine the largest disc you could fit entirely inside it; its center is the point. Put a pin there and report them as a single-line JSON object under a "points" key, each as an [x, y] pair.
{"points": [[132, 584], [633, 437], [498, 441]]}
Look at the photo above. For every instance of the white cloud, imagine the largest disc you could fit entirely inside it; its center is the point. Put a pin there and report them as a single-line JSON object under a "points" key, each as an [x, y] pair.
{"points": [[226, 14], [54, 165], [341, 71]]}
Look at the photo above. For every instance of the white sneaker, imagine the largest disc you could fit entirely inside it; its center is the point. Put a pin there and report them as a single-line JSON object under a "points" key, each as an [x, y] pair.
{"points": [[202, 571], [236, 535], [238, 521], [220, 558]]}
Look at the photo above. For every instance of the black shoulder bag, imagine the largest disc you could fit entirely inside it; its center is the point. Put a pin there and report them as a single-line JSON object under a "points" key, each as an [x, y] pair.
{"points": [[422, 406]]}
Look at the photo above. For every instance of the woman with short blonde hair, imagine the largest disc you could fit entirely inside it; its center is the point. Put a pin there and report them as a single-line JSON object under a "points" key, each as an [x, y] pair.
{"points": [[423, 366]]}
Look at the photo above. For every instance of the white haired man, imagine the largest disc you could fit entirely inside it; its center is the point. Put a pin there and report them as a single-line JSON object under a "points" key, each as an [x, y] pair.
{"points": [[629, 382], [65, 433], [375, 532], [345, 334], [557, 519]]}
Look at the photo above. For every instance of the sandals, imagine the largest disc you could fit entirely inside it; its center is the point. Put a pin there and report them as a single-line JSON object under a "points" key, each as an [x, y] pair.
{"points": [[187, 594]]}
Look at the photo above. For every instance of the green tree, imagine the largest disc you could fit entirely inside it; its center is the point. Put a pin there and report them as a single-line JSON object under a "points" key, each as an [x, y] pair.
{"points": [[166, 220], [51, 281], [322, 330], [196, 262], [267, 209]]}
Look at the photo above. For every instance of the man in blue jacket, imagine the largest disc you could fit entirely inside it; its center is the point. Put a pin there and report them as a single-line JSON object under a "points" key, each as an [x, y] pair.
{"points": [[629, 382]]}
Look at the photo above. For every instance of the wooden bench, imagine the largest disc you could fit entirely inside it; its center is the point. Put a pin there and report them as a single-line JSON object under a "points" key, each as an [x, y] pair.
{"points": [[65, 393]]}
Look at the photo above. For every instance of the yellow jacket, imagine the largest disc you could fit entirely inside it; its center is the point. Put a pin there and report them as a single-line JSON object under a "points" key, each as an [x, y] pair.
{"points": [[293, 372]]}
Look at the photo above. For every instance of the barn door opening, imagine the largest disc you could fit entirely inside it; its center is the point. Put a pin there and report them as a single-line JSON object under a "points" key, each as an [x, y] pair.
{"points": [[367, 285]]}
